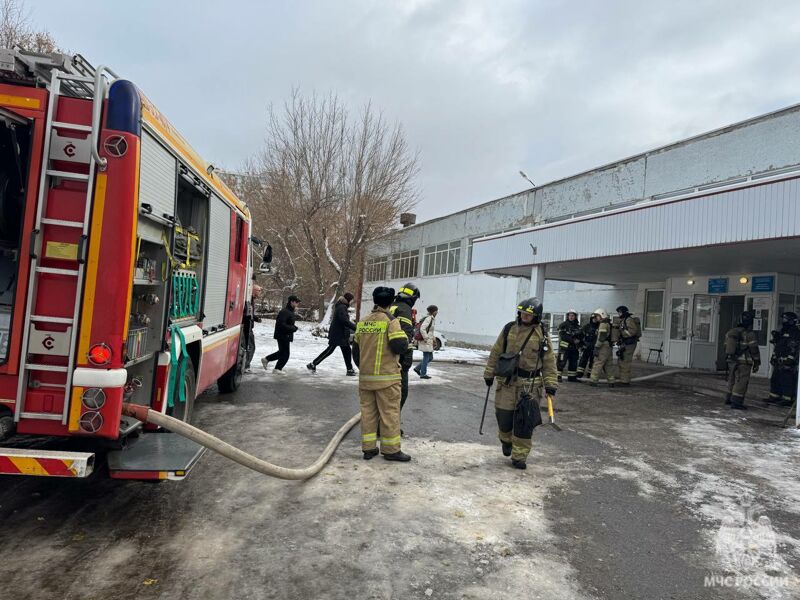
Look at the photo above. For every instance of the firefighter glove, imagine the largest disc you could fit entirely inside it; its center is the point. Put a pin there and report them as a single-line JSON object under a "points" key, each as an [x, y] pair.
{"points": [[550, 391], [756, 366], [489, 381]]}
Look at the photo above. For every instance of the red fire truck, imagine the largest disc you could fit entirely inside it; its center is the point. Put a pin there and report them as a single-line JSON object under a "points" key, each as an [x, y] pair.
{"points": [[124, 273]]}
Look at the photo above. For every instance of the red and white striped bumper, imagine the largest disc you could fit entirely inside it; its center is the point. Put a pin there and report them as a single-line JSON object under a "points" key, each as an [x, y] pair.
{"points": [[45, 463]]}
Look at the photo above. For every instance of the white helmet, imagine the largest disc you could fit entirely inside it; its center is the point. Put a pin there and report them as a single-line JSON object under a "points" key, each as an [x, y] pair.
{"points": [[603, 314], [573, 311]]}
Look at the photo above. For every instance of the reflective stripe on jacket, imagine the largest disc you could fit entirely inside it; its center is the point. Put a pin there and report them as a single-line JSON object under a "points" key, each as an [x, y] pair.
{"points": [[380, 340]]}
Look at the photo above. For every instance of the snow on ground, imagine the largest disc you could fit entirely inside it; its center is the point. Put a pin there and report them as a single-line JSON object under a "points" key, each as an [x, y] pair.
{"points": [[306, 347]]}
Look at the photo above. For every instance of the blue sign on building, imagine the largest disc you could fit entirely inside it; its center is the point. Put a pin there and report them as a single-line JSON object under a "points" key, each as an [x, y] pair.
{"points": [[763, 283], [718, 286]]}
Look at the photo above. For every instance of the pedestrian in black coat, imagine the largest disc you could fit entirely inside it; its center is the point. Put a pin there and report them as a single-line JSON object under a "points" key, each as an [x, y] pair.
{"points": [[284, 333], [338, 335]]}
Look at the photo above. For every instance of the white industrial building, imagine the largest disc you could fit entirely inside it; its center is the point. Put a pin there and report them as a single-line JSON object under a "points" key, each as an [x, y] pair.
{"points": [[687, 235]]}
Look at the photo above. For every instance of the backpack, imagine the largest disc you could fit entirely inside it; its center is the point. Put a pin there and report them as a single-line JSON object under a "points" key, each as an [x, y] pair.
{"points": [[636, 330], [418, 329]]}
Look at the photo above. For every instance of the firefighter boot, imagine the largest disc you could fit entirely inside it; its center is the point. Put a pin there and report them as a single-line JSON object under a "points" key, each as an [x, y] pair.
{"points": [[519, 464], [506, 448], [370, 454], [398, 456], [727, 398]]}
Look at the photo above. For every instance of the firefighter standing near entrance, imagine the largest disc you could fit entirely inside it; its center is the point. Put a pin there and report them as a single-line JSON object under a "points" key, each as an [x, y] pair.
{"points": [[741, 350], [784, 360], [603, 356], [401, 309], [378, 343], [587, 344], [535, 375], [569, 337], [630, 330]]}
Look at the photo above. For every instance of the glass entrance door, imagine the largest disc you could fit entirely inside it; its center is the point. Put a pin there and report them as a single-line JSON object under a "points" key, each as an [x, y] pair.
{"points": [[678, 352], [761, 306], [702, 334]]}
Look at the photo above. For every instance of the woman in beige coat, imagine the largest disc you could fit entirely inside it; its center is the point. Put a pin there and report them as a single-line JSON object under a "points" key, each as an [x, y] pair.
{"points": [[425, 345]]}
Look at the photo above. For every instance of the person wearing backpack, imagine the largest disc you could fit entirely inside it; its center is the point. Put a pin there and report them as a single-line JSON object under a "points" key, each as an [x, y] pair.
{"points": [[424, 335], [630, 330], [603, 356], [524, 364]]}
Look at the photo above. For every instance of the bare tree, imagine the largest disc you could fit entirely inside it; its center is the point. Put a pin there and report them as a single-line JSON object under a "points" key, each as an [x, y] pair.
{"points": [[341, 182], [16, 29], [377, 185]]}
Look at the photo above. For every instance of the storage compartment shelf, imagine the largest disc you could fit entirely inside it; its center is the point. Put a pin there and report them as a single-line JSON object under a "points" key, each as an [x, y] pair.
{"points": [[141, 359]]}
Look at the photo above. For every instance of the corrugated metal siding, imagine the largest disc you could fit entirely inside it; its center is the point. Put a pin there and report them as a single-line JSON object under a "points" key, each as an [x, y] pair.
{"points": [[157, 179], [746, 214], [219, 247]]}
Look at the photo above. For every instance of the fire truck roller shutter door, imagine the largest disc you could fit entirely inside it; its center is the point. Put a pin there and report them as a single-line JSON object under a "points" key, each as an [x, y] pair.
{"points": [[219, 239], [157, 179]]}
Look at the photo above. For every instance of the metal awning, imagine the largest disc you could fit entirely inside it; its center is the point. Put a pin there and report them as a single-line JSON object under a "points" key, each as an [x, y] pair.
{"points": [[746, 227]]}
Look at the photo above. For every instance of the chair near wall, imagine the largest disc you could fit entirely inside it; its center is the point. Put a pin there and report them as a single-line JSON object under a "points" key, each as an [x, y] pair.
{"points": [[658, 352]]}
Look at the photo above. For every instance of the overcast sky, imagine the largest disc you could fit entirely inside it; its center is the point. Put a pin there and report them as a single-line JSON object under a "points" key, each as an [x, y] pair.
{"points": [[482, 88]]}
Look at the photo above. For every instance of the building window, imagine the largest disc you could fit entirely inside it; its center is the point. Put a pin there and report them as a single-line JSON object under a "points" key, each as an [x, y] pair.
{"points": [[405, 265], [584, 318], [654, 309], [443, 259], [376, 268]]}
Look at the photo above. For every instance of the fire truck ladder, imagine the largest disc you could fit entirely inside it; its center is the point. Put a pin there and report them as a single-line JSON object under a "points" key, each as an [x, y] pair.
{"points": [[83, 81]]}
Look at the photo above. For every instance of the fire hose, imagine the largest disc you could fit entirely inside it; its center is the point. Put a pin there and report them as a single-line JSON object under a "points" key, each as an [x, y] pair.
{"points": [[144, 414]]}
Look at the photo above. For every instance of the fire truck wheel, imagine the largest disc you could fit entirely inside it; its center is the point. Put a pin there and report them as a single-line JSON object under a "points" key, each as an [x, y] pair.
{"points": [[6, 426], [230, 381], [183, 410]]}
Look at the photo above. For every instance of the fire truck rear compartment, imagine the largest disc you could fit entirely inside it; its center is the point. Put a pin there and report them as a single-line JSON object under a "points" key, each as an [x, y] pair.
{"points": [[15, 136]]}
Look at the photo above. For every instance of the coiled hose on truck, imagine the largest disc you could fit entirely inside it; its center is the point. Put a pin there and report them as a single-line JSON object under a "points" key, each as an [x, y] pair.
{"points": [[211, 442]]}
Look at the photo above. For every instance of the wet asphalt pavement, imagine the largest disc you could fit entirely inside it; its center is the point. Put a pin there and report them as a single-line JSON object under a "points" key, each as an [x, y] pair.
{"points": [[625, 502]]}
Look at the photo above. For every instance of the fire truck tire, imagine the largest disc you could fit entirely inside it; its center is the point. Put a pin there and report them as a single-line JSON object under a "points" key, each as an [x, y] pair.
{"points": [[184, 410], [6, 426], [231, 380]]}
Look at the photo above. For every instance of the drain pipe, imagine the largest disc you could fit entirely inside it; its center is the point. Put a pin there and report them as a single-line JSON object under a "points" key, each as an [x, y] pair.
{"points": [[144, 414]]}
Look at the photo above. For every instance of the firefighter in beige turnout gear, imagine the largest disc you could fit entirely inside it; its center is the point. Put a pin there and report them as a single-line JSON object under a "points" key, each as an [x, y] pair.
{"points": [[630, 331], [378, 344], [536, 373], [744, 358], [603, 356]]}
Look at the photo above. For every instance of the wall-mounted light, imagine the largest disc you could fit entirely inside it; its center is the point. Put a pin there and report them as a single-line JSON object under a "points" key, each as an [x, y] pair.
{"points": [[743, 280], [690, 282], [210, 170]]}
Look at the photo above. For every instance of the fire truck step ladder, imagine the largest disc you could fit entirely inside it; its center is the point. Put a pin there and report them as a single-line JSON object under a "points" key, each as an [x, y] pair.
{"points": [[97, 88]]}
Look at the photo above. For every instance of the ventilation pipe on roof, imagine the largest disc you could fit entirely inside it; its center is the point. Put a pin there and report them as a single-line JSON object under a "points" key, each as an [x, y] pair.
{"points": [[407, 219]]}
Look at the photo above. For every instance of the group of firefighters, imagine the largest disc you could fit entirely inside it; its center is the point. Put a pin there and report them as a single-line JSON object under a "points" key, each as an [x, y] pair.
{"points": [[383, 351], [589, 349], [527, 369]]}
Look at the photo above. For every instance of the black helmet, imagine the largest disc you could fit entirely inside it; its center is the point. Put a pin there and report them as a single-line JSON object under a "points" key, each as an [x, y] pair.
{"points": [[408, 291], [623, 309], [531, 306], [383, 296], [789, 318], [747, 318]]}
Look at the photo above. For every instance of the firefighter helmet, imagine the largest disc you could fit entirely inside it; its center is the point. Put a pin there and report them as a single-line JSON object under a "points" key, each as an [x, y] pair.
{"points": [[623, 310], [600, 312], [572, 311], [531, 306], [789, 318], [747, 318], [408, 291]]}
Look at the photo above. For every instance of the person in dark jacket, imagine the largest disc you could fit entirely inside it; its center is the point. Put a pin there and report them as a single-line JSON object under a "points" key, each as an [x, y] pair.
{"points": [[338, 335], [284, 333]]}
